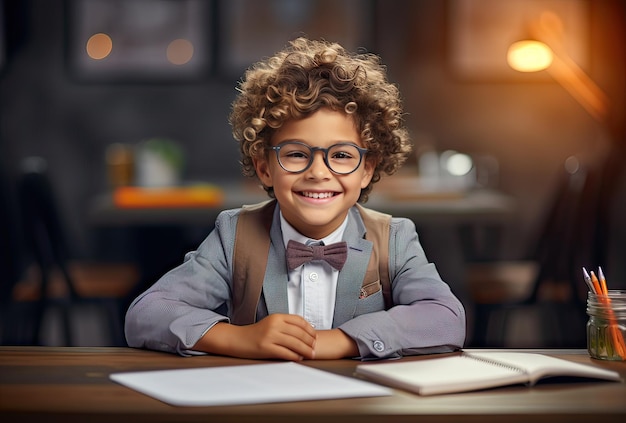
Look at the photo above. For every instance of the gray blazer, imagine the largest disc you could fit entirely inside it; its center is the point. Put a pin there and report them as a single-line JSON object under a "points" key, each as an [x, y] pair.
{"points": [[174, 313]]}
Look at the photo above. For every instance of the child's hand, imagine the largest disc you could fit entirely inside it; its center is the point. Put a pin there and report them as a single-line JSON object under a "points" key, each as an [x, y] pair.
{"points": [[283, 336], [280, 336]]}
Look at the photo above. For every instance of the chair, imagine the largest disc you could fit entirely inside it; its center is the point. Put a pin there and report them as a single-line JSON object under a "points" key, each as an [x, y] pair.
{"points": [[54, 280], [549, 282]]}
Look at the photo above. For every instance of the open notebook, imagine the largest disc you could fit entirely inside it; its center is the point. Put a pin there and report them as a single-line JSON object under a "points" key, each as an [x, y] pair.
{"points": [[477, 370]]}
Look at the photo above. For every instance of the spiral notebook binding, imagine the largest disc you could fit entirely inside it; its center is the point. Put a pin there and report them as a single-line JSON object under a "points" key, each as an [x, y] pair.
{"points": [[494, 363]]}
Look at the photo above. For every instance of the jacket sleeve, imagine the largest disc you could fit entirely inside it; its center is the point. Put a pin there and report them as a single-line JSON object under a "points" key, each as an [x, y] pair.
{"points": [[426, 317], [175, 312]]}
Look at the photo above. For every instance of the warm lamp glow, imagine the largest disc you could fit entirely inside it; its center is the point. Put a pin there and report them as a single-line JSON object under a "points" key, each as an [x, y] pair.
{"points": [[99, 46], [529, 56], [550, 54], [179, 51]]}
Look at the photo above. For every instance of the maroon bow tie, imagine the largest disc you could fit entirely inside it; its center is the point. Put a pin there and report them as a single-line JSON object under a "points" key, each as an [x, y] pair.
{"points": [[333, 254]]}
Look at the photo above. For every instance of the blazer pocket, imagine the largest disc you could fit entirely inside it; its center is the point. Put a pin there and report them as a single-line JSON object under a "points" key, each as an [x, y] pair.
{"points": [[372, 302], [369, 289]]}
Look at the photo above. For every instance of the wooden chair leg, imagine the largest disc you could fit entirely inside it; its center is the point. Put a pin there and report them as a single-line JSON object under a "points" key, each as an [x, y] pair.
{"points": [[66, 322], [482, 313], [116, 325]]}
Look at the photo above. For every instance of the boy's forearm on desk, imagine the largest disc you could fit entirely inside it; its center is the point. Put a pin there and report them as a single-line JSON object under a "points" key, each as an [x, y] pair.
{"points": [[279, 336], [226, 339], [334, 344]]}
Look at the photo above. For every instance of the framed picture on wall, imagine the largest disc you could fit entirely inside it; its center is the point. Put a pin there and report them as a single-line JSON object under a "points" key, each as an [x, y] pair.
{"points": [[479, 33], [139, 40], [251, 30]]}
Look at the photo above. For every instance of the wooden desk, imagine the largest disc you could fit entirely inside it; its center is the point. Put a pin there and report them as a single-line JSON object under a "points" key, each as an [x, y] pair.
{"points": [[473, 206], [72, 385]]}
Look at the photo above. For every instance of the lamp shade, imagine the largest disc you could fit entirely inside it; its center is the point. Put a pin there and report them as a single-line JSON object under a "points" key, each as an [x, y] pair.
{"points": [[529, 56]]}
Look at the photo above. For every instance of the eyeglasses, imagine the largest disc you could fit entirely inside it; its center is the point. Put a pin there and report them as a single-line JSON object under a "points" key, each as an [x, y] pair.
{"points": [[296, 157]]}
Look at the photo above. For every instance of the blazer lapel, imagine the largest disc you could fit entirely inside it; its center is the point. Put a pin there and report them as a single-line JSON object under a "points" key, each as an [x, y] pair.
{"points": [[351, 276], [275, 281]]}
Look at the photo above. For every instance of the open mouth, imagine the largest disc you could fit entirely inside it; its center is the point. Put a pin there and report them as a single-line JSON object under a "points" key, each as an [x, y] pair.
{"points": [[317, 195]]}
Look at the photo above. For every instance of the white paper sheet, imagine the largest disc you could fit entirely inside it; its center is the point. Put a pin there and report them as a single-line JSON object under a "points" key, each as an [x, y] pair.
{"points": [[246, 384]]}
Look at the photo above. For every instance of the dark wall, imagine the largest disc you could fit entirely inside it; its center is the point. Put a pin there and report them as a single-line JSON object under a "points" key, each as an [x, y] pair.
{"points": [[46, 111], [529, 127]]}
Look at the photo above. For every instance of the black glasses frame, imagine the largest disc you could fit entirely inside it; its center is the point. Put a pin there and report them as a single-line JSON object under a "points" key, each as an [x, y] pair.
{"points": [[362, 151]]}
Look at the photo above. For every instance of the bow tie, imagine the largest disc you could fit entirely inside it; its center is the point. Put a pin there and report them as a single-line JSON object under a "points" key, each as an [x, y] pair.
{"points": [[333, 254]]}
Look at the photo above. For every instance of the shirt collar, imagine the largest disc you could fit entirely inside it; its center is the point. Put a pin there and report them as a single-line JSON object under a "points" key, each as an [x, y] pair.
{"points": [[290, 233]]}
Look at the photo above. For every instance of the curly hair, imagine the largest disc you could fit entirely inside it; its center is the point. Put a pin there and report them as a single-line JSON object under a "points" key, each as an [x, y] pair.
{"points": [[309, 75]]}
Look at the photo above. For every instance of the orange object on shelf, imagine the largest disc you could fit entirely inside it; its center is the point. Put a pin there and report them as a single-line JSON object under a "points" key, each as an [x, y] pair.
{"points": [[187, 196]]}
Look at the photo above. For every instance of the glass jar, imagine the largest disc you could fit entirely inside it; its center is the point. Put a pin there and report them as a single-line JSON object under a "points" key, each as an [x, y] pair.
{"points": [[606, 327]]}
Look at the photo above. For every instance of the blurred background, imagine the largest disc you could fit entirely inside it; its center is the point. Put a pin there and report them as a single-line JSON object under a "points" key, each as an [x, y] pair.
{"points": [[89, 87]]}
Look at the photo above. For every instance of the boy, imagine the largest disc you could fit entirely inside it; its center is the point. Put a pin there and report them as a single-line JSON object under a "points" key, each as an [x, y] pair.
{"points": [[317, 125]]}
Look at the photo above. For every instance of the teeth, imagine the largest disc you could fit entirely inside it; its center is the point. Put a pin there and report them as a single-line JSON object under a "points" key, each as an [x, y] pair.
{"points": [[318, 194]]}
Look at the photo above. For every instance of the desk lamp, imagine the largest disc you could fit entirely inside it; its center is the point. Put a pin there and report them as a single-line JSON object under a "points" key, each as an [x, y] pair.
{"points": [[544, 50]]}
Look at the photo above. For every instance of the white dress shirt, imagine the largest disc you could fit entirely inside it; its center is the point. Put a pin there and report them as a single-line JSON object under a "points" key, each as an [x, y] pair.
{"points": [[312, 287]]}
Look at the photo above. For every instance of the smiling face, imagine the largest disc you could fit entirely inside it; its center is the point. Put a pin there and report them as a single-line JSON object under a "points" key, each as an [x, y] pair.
{"points": [[316, 201]]}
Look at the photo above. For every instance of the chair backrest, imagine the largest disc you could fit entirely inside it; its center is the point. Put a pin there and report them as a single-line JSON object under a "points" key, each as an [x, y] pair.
{"points": [[569, 233], [10, 247], [41, 222]]}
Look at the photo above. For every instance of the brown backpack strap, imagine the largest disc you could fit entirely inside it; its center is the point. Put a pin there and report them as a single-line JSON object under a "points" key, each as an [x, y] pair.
{"points": [[377, 225], [252, 244]]}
